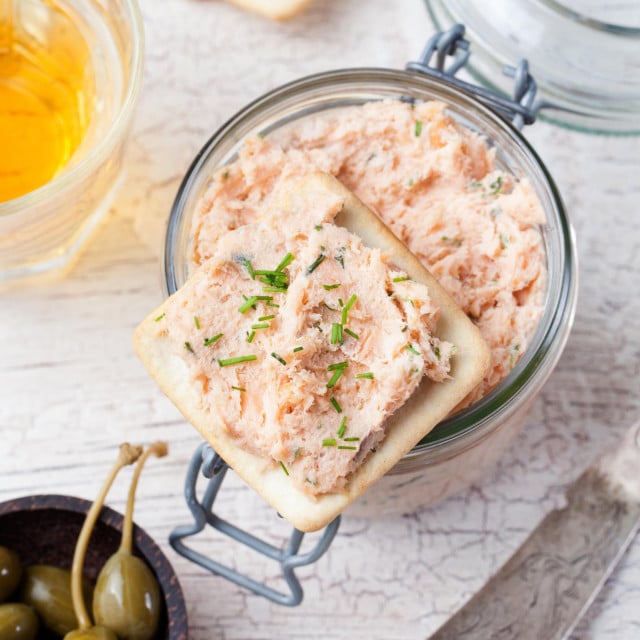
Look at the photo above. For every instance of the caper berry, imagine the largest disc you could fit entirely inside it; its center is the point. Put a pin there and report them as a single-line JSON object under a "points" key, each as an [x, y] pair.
{"points": [[127, 597], [48, 590], [10, 572], [17, 622]]}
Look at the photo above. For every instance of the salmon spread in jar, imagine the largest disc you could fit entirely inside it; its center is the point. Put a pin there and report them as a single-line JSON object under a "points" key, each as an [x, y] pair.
{"points": [[433, 182]]}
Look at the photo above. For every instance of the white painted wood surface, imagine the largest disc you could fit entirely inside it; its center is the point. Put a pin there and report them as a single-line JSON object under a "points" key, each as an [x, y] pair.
{"points": [[71, 388]]}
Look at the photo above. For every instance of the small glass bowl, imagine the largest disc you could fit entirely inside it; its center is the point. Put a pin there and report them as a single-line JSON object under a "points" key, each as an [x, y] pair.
{"points": [[45, 228], [456, 451]]}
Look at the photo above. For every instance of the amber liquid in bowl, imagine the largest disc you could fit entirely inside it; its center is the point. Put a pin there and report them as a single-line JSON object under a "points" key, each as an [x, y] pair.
{"points": [[46, 96]]}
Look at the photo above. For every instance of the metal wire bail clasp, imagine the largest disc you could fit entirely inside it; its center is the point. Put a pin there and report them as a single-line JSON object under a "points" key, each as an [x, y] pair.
{"points": [[213, 467], [448, 51]]}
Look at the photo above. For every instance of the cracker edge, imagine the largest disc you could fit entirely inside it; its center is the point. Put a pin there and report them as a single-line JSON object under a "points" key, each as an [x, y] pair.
{"points": [[430, 403]]}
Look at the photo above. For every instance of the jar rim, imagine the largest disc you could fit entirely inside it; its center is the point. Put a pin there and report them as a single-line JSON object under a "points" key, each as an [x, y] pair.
{"points": [[103, 148], [550, 339]]}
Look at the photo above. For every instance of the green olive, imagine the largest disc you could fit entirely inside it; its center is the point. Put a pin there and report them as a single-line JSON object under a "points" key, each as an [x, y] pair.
{"points": [[17, 622], [127, 597], [48, 590], [10, 572], [93, 633]]}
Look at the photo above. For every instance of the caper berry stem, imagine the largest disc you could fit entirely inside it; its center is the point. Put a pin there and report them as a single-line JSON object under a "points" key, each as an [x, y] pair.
{"points": [[127, 455], [158, 449]]}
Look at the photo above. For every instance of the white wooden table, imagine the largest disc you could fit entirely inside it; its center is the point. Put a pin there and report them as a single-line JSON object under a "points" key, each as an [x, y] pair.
{"points": [[71, 388]]}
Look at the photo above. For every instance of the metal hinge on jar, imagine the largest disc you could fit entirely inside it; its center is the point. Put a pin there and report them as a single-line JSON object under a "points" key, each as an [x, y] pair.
{"points": [[448, 51]]}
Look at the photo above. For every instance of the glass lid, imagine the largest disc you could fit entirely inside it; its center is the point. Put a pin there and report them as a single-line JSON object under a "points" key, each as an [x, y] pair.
{"points": [[584, 54]]}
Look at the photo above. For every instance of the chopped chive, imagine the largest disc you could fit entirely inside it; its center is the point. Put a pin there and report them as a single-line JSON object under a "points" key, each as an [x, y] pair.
{"points": [[328, 287], [270, 273], [496, 186], [208, 341], [436, 350], [336, 333], [280, 359], [261, 325], [346, 447], [227, 362], [162, 315], [400, 279], [347, 307], [352, 439], [329, 442], [368, 375], [340, 302], [296, 349], [273, 304], [336, 404], [196, 322], [353, 334], [188, 347], [263, 318], [247, 263], [272, 289], [248, 303], [225, 175], [413, 350], [284, 468], [286, 261], [340, 256], [338, 365], [238, 388], [343, 427], [297, 452], [315, 264], [334, 378], [318, 227], [267, 298], [251, 336], [418, 129]]}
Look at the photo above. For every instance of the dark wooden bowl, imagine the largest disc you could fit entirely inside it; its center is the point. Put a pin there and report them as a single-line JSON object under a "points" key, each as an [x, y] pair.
{"points": [[43, 529]]}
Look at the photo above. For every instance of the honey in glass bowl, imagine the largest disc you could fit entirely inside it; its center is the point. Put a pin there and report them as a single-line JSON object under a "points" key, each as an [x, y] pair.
{"points": [[47, 87]]}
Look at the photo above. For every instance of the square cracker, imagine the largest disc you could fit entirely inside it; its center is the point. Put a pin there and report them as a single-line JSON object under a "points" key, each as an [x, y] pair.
{"points": [[430, 403]]}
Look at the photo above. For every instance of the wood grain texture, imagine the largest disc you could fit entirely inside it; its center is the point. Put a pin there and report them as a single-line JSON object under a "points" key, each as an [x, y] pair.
{"points": [[71, 388]]}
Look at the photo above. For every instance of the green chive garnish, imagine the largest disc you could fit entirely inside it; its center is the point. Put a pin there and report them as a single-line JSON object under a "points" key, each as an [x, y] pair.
{"points": [[248, 303], [251, 336], [261, 325], [400, 279], [273, 304], [318, 227], [280, 359], [276, 275], [263, 318], [338, 365], [353, 334], [315, 264], [286, 261], [188, 347], [296, 349], [418, 129], [368, 375], [215, 338], [227, 362], [334, 378], [196, 321], [238, 388], [343, 427], [247, 263], [284, 468], [342, 446], [413, 350], [347, 307], [353, 439], [272, 289], [162, 315], [328, 287], [336, 333], [335, 404], [329, 442]]}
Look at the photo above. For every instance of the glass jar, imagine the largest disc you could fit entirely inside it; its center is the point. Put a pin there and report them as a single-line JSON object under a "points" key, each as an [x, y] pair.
{"points": [[45, 228], [457, 450]]}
